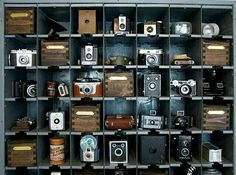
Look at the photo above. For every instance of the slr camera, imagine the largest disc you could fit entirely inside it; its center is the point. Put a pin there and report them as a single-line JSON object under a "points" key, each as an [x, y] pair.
{"points": [[22, 58], [152, 121], [56, 120], [121, 25], [181, 121], [118, 151], [89, 151], [87, 87], [181, 28], [89, 55], [211, 84], [183, 145], [24, 89], [183, 88], [152, 85], [151, 57]]}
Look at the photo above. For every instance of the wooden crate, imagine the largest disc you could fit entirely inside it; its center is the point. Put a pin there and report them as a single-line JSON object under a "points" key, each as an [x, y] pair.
{"points": [[87, 21], [21, 152], [54, 52], [119, 83], [216, 56], [216, 122], [20, 21], [86, 122]]}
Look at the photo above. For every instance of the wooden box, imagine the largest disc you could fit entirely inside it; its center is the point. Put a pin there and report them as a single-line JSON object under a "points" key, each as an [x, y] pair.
{"points": [[21, 152], [20, 21], [119, 83], [54, 52], [86, 118], [216, 52], [216, 117], [87, 22]]}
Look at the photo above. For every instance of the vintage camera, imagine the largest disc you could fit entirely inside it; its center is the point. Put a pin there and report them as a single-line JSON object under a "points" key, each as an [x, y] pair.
{"points": [[22, 58], [52, 88], [181, 28], [121, 25], [24, 124], [118, 151], [211, 85], [181, 121], [211, 152], [89, 151], [151, 57], [55, 173], [87, 87], [211, 171], [183, 144], [89, 55], [152, 121], [24, 89], [211, 29], [183, 88], [56, 120], [152, 85], [150, 28], [63, 90], [182, 59]]}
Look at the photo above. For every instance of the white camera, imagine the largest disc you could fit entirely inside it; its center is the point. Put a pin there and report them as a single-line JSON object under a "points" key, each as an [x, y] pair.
{"points": [[22, 58], [122, 23], [56, 121]]}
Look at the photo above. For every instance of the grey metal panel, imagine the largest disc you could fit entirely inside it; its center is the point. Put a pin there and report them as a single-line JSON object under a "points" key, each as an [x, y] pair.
{"points": [[216, 7], [119, 5], [21, 5], [53, 5], [185, 6], [86, 5], [153, 5]]}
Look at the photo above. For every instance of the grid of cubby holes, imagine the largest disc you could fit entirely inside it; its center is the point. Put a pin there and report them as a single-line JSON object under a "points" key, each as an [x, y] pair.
{"points": [[128, 45]]}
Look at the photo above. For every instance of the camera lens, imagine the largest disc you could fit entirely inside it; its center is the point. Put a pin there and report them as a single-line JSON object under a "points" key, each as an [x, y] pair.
{"points": [[88, 156], [185, 90], [152, 86], [31, 90], [151, 59], [185, 152], [23, 59], [87, 89], [122, 26], [89, 56], [149, 29], [152, 122], [56, 121], [118, 152]]}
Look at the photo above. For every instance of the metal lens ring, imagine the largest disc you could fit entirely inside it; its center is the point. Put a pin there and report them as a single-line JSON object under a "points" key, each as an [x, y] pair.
{"points": [[185, 152], [118, 152], [185, 90], [89, 56], [150, 29], [23, 59], [152, 86], [31, 90], [151, 59], [87, 89]]}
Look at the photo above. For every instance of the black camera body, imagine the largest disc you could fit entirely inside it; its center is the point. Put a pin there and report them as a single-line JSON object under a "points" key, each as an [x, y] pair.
{"points": [[211, 85], [181, 121], [24, 89], [152, 85], [184, 88], [183, 145]]}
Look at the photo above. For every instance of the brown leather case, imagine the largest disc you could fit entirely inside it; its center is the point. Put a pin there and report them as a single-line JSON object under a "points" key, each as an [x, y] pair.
{"points": [[76, 90], [54, 52], [21, 152], [120, 87], [20, 21], [86, 123], [87, 22], [119, 122], [216, 122], [216, 56]]}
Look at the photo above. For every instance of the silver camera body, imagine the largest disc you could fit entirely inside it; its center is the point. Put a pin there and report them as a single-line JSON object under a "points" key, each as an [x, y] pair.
{"points": [[150, 28], [89, 55], [89, 151], [152, 121], [122, 23], [181, 28], [63, 90], [211, 29], [56, 121], [183, 88], [22, 58], [152, 57], [152, 85], [118, 151]]}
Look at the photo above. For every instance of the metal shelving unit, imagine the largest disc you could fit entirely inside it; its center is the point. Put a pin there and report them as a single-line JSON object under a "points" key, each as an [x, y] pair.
{"points": [[108, 43]]}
